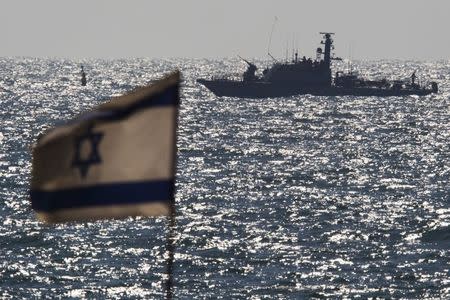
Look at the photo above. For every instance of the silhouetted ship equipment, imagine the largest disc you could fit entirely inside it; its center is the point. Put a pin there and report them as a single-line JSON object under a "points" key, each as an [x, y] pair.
{"points": [[307, 76]]}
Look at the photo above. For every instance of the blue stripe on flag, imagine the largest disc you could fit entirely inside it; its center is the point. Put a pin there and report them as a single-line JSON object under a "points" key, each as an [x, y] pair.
{"points": [[103, 195], [167, 97]]}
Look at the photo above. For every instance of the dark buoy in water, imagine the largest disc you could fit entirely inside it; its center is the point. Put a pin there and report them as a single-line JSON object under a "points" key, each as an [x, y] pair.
{"points": [[83, 77]]}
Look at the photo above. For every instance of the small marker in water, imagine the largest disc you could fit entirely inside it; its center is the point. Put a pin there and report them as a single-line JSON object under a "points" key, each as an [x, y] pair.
{"points": [[83, 77]]}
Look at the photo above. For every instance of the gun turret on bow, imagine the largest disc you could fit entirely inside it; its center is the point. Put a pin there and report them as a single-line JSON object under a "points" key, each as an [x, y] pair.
{"points": [[249, 74]]}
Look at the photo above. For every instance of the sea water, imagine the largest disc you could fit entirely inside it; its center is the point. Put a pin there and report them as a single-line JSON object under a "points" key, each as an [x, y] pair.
{"points": [[300, 197]]}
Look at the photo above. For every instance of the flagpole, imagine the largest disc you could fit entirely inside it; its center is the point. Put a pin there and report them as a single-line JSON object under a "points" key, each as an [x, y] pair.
{"points": [[170, 247]]}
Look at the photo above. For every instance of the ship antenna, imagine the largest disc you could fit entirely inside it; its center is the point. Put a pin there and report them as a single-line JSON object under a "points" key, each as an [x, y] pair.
{"points": [[293, 45], [350, 55], [287, 47], [270, 38]]}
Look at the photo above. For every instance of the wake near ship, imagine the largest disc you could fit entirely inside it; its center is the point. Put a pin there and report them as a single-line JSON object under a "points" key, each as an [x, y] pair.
{"points": [[307, 76]]}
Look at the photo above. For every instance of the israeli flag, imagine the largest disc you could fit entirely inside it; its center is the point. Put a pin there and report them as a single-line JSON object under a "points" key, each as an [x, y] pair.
{"points": [[117, 161]]}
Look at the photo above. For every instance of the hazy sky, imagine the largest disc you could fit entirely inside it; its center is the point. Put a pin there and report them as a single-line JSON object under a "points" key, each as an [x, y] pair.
{"points": [[372, 29]]}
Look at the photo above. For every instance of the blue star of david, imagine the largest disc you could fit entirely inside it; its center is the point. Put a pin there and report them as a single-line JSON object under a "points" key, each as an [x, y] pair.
{"points": [[93, 138]]}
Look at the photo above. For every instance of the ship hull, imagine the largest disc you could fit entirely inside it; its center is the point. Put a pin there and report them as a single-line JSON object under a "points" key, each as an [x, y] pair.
{"points": [[260, 89]]}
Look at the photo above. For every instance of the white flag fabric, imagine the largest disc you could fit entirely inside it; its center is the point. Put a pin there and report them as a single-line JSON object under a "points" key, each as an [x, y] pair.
{"points": [[117, 161]]}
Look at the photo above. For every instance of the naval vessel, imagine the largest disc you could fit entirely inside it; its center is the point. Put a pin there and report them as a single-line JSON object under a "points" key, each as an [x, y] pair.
{"points": [[308, 76]]}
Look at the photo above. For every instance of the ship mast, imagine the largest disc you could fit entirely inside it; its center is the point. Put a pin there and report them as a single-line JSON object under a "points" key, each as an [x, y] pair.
{"points": [[328, 42]]}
